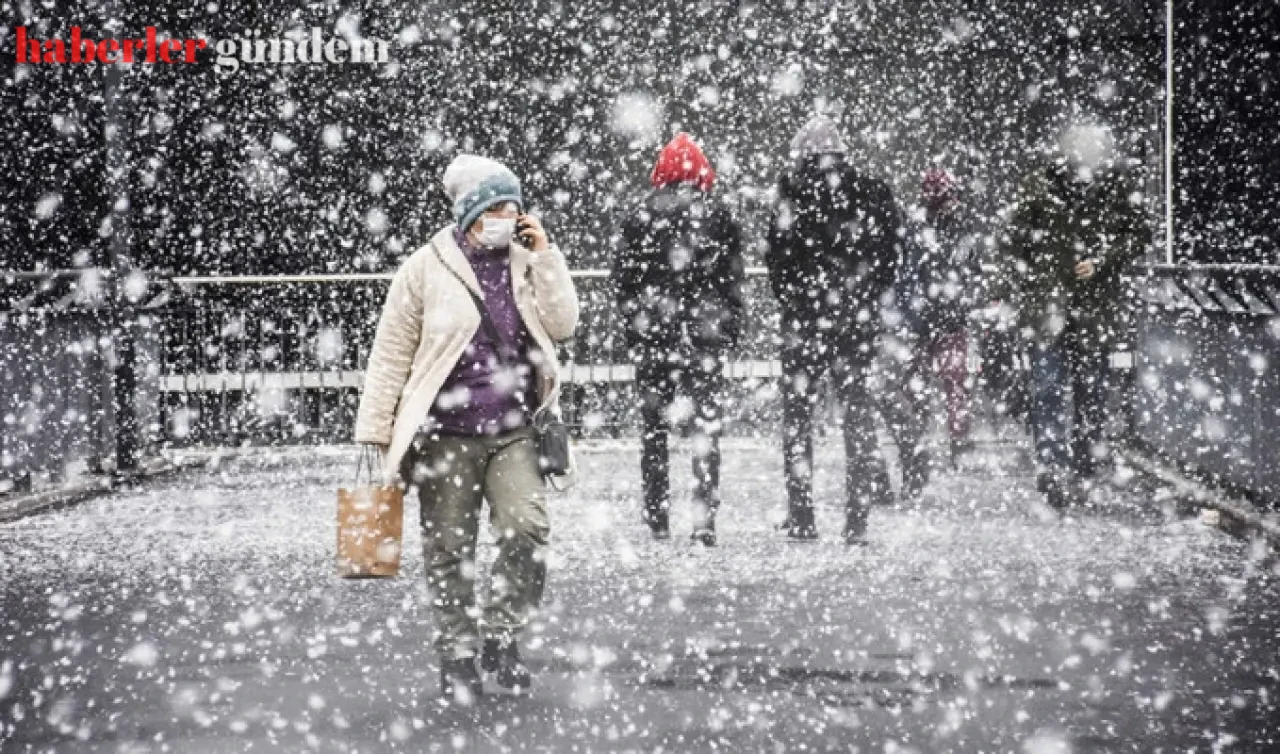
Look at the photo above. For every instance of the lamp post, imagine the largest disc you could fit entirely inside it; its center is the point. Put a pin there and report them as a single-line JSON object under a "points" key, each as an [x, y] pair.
{"points": [[1168, 132]]}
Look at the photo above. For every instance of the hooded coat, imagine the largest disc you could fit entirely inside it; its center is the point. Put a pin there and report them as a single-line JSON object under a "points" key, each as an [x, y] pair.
{"points": [[833, 244], [1057, 222], [679, 271]]}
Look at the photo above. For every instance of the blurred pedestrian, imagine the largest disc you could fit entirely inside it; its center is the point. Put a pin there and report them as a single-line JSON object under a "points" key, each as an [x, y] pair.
{"points": [[679, 276], [832, 252], [934, 296], [1077, 226], [463, 360]]}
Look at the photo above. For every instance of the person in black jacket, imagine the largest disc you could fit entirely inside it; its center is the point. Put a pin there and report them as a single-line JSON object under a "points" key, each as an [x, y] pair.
{"points": [[679, 280], [833, 249]]}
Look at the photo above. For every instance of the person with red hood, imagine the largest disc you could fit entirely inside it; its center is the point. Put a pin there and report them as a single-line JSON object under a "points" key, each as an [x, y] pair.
{"points": [[678, 276]]}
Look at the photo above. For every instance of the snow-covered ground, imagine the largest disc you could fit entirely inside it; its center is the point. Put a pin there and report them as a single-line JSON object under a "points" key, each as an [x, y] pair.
{"points": [[202, 614]]}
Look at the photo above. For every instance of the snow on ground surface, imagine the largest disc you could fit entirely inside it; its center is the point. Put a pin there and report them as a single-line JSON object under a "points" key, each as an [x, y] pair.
{"points": [[202, 614]]}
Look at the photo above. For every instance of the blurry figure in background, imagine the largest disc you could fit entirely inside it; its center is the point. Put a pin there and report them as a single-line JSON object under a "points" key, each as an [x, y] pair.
{"points": [[450, 402], [1000, 350], [831, 257], [679, 278], [1077, 225], [935, 293]]}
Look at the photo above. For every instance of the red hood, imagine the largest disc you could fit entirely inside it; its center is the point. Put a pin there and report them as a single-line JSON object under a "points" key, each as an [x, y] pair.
{"points": [[682, 161]]}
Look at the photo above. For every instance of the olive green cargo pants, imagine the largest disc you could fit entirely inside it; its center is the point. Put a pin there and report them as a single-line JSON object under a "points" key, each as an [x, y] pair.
{"points": [[454, 476]]}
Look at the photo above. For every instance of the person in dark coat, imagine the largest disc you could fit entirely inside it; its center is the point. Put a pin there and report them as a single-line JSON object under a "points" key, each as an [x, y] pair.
{"points": [[1078, 224], [935, 293], [679, 279], [832, 252]]}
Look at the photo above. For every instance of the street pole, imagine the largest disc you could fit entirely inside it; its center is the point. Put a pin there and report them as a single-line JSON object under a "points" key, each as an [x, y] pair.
{"points": [[1168, 132], [125, 369]]}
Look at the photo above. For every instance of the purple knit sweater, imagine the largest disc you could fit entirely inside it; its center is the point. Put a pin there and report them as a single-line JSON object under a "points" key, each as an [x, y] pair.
{"points": [[480, 396]]}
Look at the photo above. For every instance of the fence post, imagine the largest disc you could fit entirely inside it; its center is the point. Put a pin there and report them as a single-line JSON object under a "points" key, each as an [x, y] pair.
{"points": [[126, 390]]}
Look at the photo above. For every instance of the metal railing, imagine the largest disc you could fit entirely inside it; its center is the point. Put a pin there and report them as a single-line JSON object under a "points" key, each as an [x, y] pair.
{"points": [[1207, 391], [57, 376], [264, 359], [282, 358]]}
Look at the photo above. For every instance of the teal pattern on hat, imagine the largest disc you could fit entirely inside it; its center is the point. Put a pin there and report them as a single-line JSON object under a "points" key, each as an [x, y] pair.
{"points": [[494, 189]]}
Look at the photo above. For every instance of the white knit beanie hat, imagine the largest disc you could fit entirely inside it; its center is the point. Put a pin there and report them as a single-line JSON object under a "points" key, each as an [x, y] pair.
{"points": [[820, 135], [474, 184]]}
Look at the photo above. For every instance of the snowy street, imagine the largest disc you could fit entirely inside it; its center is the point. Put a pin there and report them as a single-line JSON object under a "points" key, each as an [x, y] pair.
{"points": [[201, 614]]}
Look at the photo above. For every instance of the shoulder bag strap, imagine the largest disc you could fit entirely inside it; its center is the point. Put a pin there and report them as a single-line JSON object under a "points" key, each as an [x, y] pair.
{"points": [[486, 321]]}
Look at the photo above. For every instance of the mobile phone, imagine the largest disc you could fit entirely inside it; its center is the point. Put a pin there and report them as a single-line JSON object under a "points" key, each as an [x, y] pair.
{"points": [[522, 229]]}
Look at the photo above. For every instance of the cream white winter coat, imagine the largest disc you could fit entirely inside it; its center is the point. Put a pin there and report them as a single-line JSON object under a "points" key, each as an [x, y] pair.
{"points": [[427, 322]]}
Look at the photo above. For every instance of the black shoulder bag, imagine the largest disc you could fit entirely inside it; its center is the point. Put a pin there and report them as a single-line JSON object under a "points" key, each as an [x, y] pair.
{"points": [[550, 434]]}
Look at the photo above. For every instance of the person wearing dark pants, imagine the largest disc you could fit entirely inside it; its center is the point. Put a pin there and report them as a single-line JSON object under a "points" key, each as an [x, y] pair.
{"points": [[1068, 410], [679, 275], [832, 254], [660, 383], [462, 366], [1077, 226], [866, 480]]}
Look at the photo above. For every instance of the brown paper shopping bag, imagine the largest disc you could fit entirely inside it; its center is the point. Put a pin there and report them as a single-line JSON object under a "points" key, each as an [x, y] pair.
{"points": [[370, 523]]}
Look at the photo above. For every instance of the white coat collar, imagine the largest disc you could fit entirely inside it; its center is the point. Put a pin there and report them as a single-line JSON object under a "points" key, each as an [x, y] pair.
{"points": [[446, 241]]}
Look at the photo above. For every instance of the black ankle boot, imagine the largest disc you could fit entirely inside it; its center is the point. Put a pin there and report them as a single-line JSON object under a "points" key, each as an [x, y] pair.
{"points": [[855, 530], [801, 526], [659, 523], [460, 682], [704, 531], [502, 658]]}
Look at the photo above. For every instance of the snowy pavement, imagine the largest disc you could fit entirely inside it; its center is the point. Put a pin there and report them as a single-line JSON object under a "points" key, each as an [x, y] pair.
{"points": [[200, 614]]}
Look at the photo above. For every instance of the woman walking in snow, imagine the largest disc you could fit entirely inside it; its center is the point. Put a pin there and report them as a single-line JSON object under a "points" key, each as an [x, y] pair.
{"points": [[450, 400]]}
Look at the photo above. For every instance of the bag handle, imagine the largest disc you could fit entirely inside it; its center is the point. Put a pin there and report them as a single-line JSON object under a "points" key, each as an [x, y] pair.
{"points": [[369, 458]]}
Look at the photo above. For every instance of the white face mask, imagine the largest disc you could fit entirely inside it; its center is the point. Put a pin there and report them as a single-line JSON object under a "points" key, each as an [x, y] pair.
{"points": [[496, 232]]}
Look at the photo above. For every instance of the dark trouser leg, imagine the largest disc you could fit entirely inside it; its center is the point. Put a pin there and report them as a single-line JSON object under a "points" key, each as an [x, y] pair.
{"points": [[913, 419], [799, 400], [706, 390], [1050, 422], [1002, 373], [866, 478], [951, 352], [905, 411], [655, 463], [1090, 385]]}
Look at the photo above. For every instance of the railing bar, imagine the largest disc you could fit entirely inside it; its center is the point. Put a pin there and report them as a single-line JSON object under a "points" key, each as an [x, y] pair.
{"points": [[356, 277]]}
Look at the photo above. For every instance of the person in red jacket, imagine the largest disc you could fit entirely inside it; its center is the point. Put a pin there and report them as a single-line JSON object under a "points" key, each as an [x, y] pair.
{"points": [[679, 277]]}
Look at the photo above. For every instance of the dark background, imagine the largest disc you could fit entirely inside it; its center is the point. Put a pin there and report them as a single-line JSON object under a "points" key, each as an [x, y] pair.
{"points": [[179, 169]]}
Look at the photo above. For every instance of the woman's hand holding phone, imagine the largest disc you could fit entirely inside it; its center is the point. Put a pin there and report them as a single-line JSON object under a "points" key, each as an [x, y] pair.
{"points": [[529, 231]]}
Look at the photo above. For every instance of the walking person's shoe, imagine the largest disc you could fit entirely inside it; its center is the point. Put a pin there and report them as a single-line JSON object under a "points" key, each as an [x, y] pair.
{"points": [[1060, 491], [915, 474], [801, 526], [855, 533], [502, 659], [658, 521], [704, 532], [460, 681]]}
